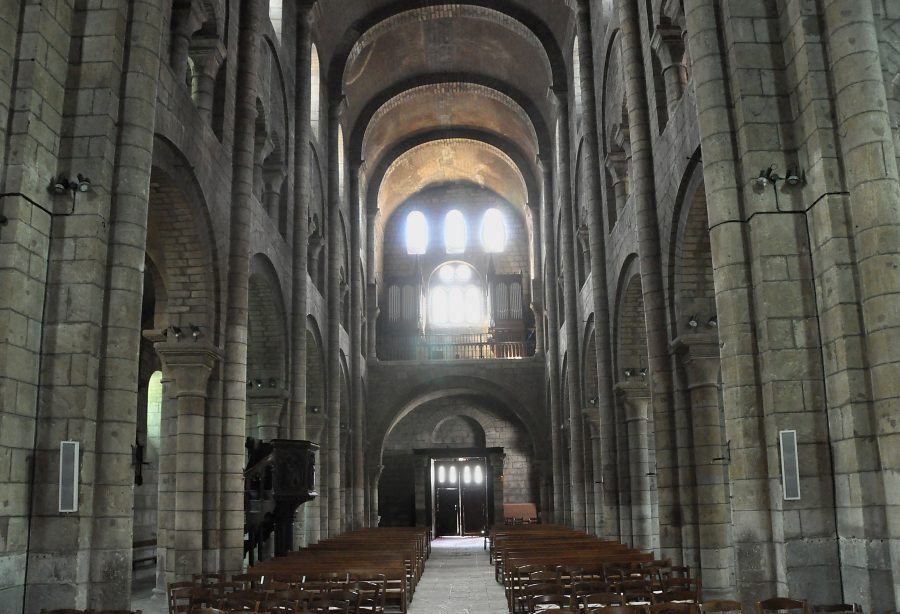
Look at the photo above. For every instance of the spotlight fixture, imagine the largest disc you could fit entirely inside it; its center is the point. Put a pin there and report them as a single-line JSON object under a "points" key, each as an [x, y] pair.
{"points": [[249, 384], [84, 184], [176, 330], [272, 382], [712, 322], [767, 176], [693, 323], [592, 400], [195, 331], [62, 184], [314, 409], [795, 177], [643, 371], [628, 373], [258, 383]]}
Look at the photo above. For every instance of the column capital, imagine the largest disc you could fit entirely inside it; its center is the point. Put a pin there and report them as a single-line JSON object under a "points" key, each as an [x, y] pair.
{"points": [[699, 354], [635, 395], [207, 53], [616, 164], [267, 404], [188, 363], [668, 45]]}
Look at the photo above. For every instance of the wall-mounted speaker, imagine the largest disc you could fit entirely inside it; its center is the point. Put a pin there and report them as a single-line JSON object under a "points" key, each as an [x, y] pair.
{"points": [[68, 476], [790, 466]]}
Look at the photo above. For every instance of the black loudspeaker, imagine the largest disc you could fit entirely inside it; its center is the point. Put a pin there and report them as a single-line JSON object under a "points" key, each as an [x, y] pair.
{"points": [[790, 466], [68, 476]]}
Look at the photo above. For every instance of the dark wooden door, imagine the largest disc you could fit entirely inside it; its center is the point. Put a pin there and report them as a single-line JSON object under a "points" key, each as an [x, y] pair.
{"points": [[446, 511], [474, 500]]}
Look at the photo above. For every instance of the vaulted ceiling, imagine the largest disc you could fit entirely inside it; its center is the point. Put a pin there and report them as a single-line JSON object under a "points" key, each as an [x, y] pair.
{"points": [[436, 93]]}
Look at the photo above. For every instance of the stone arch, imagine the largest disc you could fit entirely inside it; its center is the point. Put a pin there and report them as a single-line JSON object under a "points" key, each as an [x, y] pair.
{"points": [[690, 262], [458, 431], [630, 342], [181, 247], [267, 351]]}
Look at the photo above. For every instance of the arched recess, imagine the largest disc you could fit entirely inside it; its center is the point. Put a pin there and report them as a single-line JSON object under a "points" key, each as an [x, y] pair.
{"points": [[181, 305], [459, 420], [691, 268], [267, 353]]}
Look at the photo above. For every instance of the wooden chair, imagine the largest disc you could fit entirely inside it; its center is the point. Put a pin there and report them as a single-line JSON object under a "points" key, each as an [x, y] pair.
{"points": [[617, 609], [523, 596], [674, 608], [331, 606], [639, 597], [678, 596], [281, 606], [547, 601], [601, 600], [371, 596], [180, 596], [779, 604], [722, 605], [240, 602]]}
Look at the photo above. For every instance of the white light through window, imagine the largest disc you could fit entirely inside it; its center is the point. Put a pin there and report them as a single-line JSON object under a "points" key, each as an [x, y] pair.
{"points": [[416, 233], [455, 232], [493, 231], [447, 273], [456, 305], [452, 474], [479, 474], [467, 475], [442, 474], [462, 273]]}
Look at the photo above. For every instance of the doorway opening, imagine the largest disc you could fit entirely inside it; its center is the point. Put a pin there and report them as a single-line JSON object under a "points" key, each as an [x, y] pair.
{"points": [[459, 496]]}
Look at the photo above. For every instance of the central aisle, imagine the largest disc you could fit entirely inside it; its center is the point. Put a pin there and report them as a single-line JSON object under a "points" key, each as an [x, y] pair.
{"points": [[458, 580]]}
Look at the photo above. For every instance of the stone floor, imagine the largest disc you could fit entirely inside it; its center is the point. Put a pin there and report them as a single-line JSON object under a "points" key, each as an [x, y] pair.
{"points": [[457, 580]]}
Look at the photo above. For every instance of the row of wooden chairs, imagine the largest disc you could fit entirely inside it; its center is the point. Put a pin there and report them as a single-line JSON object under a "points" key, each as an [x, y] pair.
{"points": [[775, 604], [71, 611]]}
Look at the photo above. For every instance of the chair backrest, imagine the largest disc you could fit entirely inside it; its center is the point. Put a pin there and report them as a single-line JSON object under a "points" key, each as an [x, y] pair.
{"points": [[781, 603], [618, 609], [535, 602], [677, 595], [639, 597], [674, 608], [722, 605], [596, 600], [240, 602], [180, 596], [331, 606], [281, 606]]}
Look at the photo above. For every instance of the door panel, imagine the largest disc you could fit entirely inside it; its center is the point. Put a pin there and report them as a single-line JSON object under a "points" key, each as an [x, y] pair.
{"points": [[447, 511]]}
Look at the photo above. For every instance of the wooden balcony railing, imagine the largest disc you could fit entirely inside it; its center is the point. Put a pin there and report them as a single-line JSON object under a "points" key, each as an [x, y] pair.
{"points": [[467, 346]]}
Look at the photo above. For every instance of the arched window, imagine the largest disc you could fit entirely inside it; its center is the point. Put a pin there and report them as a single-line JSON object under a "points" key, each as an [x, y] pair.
{"points": [[493, 231], [314, 94], [416, 233], [454, 298], [479, 474], [455, 232]]}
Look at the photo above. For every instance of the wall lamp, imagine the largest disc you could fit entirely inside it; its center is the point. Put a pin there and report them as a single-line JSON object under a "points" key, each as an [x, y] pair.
{"points": [[176, 330], [314, 409], [693, 323], [767, 176], [713, 322], [63, 184], [272, 382], [195, 331], [592, 400], [628, 372]]}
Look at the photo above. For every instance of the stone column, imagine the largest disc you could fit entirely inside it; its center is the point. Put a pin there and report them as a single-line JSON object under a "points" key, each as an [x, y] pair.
{"points": [[374, 517], [552, 338], [642, 182], [332, 351], [271, 196], [537, 287], [312, 510], [668, 46], [699, 355], [636, 401], [570, 299], [231, 539], [186, 20], [371, 286], [207, 54], [590, 514], [267, 404], [421, 466], [299, 272], [593, 431], [189, 365], [496, 467], [597, 241], [870, 166], [357, 287], [165, 513]]}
